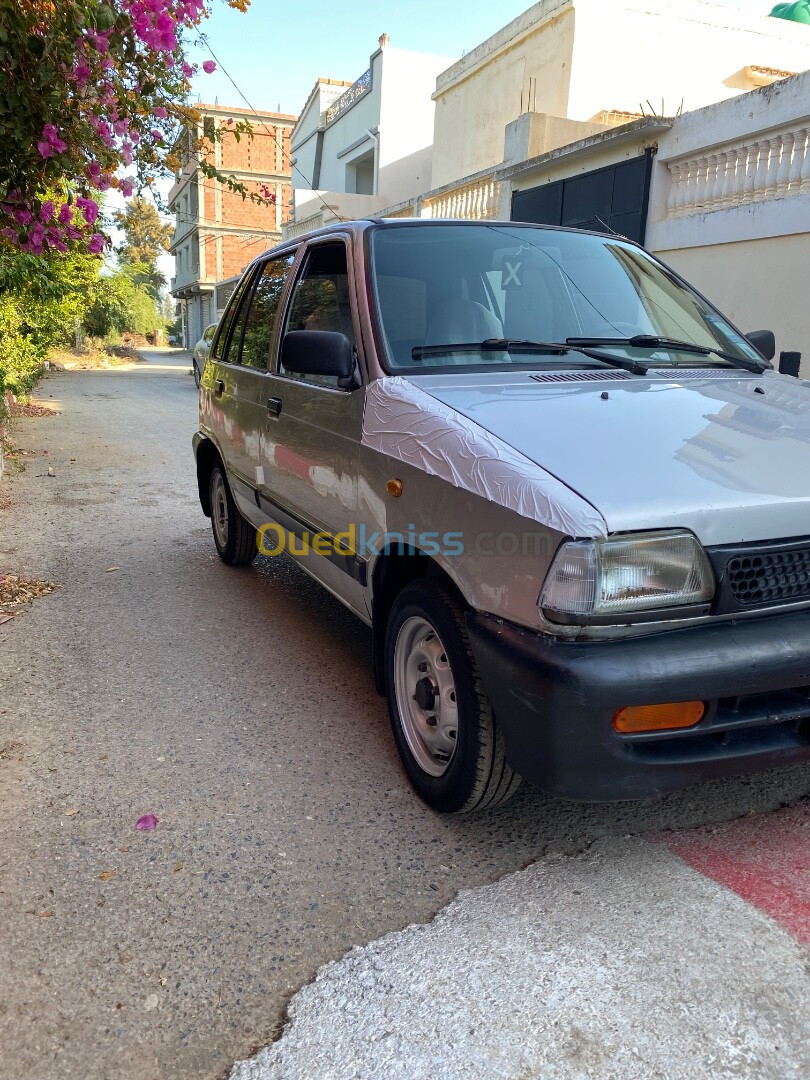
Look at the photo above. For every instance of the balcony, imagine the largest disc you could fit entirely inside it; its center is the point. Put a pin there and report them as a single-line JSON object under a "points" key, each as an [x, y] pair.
{"points": [[357, 90]]}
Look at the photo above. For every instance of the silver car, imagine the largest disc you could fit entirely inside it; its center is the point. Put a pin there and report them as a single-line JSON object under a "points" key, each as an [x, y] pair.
{"points": [[568, 496], [200, 353]]}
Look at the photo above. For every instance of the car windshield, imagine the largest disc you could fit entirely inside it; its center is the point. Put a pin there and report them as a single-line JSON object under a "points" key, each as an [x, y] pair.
{"points": [[505, 287]]}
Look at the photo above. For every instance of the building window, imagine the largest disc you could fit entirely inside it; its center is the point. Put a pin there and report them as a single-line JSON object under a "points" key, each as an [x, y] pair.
{"points": [[360, 175], [209, 130]]}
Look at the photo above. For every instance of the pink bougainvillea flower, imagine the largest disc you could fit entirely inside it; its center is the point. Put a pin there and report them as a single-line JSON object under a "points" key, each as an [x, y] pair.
{"points": [[65, 214], [126, 186], [187, 70], [23, 217], [47, 210], [45, 149], [95, 246], [160, 112], [209, 67], [146, 823], [89, 209]]}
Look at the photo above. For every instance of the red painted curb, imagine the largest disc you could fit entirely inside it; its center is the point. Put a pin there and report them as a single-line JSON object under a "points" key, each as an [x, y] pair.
{"points": [[764, 859]]}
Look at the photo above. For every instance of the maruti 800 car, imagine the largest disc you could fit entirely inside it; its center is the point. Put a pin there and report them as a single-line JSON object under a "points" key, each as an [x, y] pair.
{"points": [[571, 500]]}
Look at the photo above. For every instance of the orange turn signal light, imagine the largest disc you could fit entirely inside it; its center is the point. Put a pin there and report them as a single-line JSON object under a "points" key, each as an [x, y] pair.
{"points": [[678, 714]]}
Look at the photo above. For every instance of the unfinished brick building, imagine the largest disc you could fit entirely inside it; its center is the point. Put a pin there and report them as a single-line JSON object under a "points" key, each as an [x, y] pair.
{"points": [[217, 233]]}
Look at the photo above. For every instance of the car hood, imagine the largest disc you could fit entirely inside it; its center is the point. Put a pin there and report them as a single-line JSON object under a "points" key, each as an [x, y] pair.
{"points": [[722, 452]]}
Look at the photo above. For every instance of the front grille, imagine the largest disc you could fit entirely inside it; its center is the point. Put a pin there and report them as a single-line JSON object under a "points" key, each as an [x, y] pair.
{"points": [[766, 578]]}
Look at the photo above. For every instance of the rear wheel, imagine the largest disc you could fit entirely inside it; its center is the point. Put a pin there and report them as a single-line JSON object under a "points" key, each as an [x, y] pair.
{"points": [[446, 734], [235, 538]]}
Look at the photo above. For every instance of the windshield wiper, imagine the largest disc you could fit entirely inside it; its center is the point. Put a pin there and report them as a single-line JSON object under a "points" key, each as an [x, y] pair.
{"points": [[542, 348], [650, 341], [545, 348]]}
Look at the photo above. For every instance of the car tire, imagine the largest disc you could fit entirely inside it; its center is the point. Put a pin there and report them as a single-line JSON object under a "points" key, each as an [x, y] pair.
{"points": [[196, 374], [235, 538], [433, 689]]}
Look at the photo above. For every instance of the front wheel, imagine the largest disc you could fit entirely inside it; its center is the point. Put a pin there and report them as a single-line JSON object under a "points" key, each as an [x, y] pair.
{"points": [[446, 734], [235, 538]]}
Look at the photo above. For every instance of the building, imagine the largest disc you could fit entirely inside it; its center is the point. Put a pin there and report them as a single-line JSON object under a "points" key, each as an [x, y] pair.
{"points": [[217, 233], [360, 146], [602, 64]]}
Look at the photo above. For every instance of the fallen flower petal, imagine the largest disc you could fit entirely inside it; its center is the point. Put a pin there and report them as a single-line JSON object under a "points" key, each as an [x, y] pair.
{"points": [[147, 822], [111, 569]]}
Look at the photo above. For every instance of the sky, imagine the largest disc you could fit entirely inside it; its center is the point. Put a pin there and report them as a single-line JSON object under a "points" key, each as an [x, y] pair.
{"points": [[278, 48]]}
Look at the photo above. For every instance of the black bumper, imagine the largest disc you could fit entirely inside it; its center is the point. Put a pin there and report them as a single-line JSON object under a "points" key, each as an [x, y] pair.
{"points": [[555, 702]]}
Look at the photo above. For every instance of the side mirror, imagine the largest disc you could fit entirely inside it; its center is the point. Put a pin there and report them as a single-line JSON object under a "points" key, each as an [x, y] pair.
{"points": [[789, 363], [317, 352], [764, 342]]}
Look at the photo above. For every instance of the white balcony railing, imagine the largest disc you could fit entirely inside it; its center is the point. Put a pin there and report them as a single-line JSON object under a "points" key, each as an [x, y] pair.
{"points": [[476, 200], [763, 167], [305, 225]]}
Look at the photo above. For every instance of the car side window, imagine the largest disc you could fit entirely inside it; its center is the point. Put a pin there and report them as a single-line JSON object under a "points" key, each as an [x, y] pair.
{"points": [[218, 349], [261, 317], [320, 301], [235, 340]]}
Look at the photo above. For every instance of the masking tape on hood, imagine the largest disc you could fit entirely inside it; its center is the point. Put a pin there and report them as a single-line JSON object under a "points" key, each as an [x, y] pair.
{"points": [[408, 424]]}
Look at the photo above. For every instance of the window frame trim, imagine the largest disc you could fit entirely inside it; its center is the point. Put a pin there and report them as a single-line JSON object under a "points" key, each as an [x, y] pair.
{"points": [[258, 272], [304, 252]]}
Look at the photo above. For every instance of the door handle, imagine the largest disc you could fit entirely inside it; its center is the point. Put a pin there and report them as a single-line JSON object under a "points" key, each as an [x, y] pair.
{"points": [[220, 387], [274, 407]]}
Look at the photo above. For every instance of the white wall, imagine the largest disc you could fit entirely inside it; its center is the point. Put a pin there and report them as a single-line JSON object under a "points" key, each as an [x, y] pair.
{"points": [[478, 96], [759, 284], [576, 58]]}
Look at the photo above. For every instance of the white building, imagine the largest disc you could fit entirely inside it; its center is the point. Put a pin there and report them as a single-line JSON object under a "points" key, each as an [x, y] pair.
{"points": [[359, 147], [602, 63]]}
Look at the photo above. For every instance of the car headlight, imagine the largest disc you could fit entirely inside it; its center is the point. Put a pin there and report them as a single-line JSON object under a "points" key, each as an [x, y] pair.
{"points": [[626, 575]]}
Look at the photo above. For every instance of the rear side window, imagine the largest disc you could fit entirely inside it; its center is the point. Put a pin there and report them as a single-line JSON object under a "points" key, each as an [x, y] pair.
{"points": [[218, 349], [209, 332], [264, 304], [232, 348]]}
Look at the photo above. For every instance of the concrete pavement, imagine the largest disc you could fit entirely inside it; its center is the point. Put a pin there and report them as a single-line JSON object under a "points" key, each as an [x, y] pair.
{"points": [[620, 962], [238, 706]]}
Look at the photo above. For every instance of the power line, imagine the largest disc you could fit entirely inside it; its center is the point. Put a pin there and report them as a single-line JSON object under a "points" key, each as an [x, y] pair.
{"points": [[204, 39]]}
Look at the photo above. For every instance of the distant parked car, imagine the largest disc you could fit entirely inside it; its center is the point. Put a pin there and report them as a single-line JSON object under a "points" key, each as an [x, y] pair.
{"points": [[201, 351]]}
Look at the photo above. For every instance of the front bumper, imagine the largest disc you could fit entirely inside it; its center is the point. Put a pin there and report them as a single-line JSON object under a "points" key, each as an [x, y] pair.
{"points": [[555, 701]]}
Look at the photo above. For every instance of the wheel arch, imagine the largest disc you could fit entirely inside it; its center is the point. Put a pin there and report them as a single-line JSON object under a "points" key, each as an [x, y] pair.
{"points": [[393, 569], [207, 455]]}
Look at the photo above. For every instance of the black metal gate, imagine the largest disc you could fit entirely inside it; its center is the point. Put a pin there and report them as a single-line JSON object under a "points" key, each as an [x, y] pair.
{"points": [[612, 199]]}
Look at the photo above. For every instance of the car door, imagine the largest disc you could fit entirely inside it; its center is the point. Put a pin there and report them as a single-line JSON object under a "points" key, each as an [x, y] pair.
{"points": [[312, 432], [249, 351]]}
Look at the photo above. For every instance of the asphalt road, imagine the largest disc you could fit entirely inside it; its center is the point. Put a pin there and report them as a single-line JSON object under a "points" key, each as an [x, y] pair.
{"points": [[238, 706]]}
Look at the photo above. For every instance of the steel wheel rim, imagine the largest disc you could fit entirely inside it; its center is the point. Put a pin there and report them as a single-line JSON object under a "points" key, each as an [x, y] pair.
{"points": [[219, 509], [425, 695]]}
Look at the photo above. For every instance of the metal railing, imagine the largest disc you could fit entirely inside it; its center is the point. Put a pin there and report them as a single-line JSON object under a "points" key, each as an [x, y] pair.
{"points": [[348, 98]]}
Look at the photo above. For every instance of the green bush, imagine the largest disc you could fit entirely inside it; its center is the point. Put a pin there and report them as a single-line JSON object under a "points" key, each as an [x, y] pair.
{"points": [[21, 355]]}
